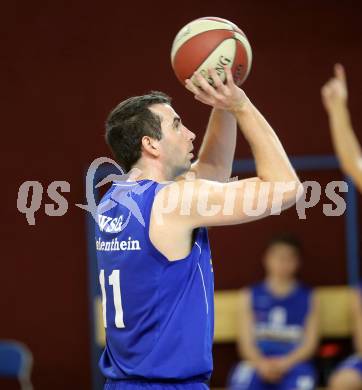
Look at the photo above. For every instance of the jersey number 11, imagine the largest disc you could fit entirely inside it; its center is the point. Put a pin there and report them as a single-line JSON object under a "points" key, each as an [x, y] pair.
{"points": [[114, 282]]}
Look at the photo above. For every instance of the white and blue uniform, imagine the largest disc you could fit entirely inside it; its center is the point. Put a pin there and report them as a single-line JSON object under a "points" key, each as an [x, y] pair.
{"points": [[279, 329], [159, 314]]}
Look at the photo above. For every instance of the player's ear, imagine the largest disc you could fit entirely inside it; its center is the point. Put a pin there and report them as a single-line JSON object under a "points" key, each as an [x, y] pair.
{"points": [[151, 145]]}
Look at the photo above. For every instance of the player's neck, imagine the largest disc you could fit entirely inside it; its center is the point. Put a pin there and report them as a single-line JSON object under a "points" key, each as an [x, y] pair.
{"points": [[280, 286], [155, 172]]}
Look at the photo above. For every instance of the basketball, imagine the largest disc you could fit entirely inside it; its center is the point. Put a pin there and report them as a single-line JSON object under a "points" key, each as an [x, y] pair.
{"points": [[211, 42]]}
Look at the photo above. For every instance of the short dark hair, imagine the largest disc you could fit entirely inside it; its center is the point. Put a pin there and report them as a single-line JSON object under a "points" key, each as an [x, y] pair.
{"points": [[287, 239], [128, 122]]}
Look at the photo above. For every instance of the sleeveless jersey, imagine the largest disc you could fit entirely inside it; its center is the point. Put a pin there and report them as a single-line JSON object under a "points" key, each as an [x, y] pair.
{"points": [[158, 313], [279, 321]]}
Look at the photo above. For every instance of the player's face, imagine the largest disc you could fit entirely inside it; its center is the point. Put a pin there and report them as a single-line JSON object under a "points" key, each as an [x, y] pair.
{"points": [[176, 144], [281, 260]]}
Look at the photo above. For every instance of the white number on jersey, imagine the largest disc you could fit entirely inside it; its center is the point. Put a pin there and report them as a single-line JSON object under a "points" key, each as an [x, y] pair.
{"points": [[117, 300]]}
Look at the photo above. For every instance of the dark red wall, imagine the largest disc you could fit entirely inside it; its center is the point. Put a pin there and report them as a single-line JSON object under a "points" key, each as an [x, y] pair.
{"points": [[66, 64]]}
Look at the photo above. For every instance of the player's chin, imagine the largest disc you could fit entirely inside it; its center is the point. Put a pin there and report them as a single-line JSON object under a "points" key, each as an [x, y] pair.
{"points": [[188, 164], [190, 157]]}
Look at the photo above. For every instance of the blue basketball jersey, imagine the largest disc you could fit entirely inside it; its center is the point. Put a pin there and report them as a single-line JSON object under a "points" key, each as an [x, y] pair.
{"points": [[158, 314], [279, 321]]}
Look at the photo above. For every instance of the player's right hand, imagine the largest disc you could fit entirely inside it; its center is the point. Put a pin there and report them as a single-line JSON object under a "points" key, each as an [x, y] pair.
{"points": [[222, 96], [268, 370], [335, 91]]}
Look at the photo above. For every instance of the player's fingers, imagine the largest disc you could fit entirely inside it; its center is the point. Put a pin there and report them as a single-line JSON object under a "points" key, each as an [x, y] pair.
{"points": [[229, 76], [195, 89], [340, 72], [204, 100], [206, 87], [331, 83], [325, 89], [191, 87], [219, 85]]}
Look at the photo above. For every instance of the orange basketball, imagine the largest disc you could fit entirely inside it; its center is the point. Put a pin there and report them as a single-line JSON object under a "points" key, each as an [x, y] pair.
{"points": [[211, 42]]}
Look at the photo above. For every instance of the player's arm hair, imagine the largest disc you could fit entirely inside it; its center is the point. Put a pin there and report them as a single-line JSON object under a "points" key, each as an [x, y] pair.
{"points": [[345, 142], [311, 335], [246, 344], [356, 307], [216, 155]]}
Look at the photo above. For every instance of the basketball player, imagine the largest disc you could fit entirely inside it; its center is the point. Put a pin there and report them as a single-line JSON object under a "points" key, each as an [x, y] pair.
{"points": [[278, 326], [334, 96], [154, 258]]}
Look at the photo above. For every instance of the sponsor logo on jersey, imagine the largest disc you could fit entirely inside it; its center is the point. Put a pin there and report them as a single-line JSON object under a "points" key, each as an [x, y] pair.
{"points": [[277, 328], [110, 225]]}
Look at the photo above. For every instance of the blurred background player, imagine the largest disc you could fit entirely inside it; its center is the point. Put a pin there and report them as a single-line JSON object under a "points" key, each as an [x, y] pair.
{"points": [[278, 325], [155, 268], [348, 375]]}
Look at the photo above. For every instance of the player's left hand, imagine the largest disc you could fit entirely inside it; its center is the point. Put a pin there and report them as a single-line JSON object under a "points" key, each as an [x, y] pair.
{"points": [[226, 96], [335, 90]]}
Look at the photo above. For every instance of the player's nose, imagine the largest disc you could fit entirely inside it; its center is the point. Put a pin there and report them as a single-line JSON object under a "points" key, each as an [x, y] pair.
{"points": [[189, 134]]}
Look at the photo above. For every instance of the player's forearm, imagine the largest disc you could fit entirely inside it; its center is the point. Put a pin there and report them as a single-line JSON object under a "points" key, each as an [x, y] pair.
{"points": [[218, 147], [345, 141], [310, 340], [301, 354], [249, 352], [272, 162]]}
